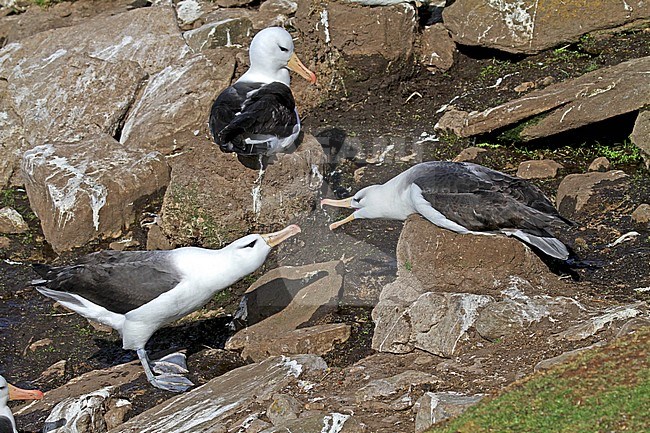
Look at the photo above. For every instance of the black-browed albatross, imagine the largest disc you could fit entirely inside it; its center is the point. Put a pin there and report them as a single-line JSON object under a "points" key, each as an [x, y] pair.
{"points": [[464, 198], [9, 392], [138, 292], [257, 115]]}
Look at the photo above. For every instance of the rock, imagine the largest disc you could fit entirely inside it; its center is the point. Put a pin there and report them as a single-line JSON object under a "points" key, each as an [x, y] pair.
{"points": [[11, 221], [641, 214], [147, 36], [86, 190], [224, 202], [53, 372], [524, 87], [188, 11], [590, 192], [437, 48], [444, 282], [528, 26], [274, 13], [283, 408], [386, 388], [12, 140], [5, 242], [333, 422], [435, 407], [590, 98], [538, 169], [281, 301], [565, 357], [470, 154], [232, 3], [388, 32], [83, 414], [116, 410], [596, 323], [64, 96], [40, 343], [86, 384], [123, 244], [599, 164], [174, 104], [156, 239], [229, 31], [212, 406], [641, 135]]}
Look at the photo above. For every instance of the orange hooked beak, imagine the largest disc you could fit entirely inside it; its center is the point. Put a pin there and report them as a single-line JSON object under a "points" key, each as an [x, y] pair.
{"points": [[296, 66], [346, 202], [16, 393], [276, 238]]}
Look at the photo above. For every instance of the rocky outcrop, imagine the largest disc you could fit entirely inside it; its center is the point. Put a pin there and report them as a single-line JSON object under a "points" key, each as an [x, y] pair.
{"points": [[86, 189], [564, 106], [281, 302], [528, 26], [213, 198], [215, 405]]}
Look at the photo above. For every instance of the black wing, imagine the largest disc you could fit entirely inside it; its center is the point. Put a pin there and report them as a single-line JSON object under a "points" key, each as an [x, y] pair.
{"points": [[119, 281], [5, 425], [481, 199], [246, 109]]}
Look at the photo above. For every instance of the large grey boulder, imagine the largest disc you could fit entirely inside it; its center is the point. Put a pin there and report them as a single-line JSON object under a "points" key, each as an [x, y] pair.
{"points": [[176, 102], [530, 26], [590, 98], [445, 282], [85, 190], [213, 406]]}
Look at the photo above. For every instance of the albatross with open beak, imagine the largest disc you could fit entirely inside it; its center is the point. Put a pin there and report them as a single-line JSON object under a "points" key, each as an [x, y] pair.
{"points": [[9, 392], [138, 292], [465, 198], [257, 115]]}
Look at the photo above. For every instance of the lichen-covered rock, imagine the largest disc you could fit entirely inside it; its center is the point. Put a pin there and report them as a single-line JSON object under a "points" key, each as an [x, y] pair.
{"points": [[11, 221], [530, 26], [85, 190]]}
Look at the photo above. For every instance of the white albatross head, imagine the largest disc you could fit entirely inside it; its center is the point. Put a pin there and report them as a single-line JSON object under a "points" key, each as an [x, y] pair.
{"points": [[370, 202], [271, 58], [9, 392], [249, 252]]}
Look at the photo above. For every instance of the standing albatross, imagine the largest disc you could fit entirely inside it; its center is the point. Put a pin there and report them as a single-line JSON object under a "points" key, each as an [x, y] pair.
{"points": [[464, 198], [138, 292], [257, 115], [9, 392]]}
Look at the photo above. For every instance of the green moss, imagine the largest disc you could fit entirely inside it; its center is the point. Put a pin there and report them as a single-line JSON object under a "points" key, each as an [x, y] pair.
{"points": [[603, 390]]}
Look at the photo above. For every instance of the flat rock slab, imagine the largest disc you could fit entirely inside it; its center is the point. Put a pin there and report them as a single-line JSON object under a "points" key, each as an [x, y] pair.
{"points": [[530, 26], [590, 193], [86, 190], [564, 106], [280, 302], [211, 407]]}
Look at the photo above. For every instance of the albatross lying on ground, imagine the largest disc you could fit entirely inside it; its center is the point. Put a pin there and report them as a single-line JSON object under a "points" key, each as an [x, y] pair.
{"points": [[137, 292], [465, 198], [9, 392], [257, 115]]}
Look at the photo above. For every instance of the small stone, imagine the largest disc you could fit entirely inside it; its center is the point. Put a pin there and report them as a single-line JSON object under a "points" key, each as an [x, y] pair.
{"points": [[538, 169], [641, 214], [283, 408], [100, 326], [54, 371], [358, 174], [5, 242], [525, 86], [40, 343], [11, 221], [117, 409], [156, 239], [123, 244], [599, 164], [469, 154], [547, 81]]}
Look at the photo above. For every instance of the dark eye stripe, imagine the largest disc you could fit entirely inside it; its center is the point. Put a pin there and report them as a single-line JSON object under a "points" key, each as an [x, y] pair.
{"points": [[283, 49], [251, 245]]}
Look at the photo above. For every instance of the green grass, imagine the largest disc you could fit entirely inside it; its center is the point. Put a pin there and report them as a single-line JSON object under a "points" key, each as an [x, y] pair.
{"points": [[603, 390]]}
